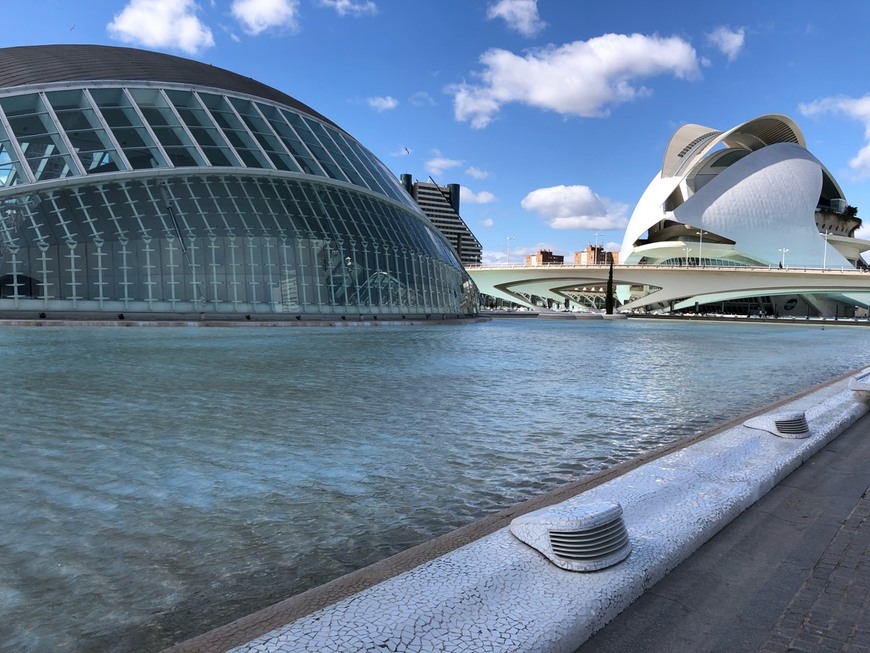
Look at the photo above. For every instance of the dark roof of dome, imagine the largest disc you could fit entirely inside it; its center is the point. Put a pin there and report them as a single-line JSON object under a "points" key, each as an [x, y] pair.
{"points": [[42, 64]]}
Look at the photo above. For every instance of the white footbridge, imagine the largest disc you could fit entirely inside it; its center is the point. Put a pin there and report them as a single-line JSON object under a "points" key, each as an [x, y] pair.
{"points": [[639, 286]]}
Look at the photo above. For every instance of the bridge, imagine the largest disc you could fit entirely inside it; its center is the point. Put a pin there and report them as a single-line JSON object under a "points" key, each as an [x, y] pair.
{"points": [[658, 284]]}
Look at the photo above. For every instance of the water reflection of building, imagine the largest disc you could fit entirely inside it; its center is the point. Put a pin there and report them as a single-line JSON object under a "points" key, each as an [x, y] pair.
{"points": [[143, 183]]}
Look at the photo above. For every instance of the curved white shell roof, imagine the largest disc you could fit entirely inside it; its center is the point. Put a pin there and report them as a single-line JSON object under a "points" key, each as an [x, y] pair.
{"points": [[763, 196], [764, 202]]}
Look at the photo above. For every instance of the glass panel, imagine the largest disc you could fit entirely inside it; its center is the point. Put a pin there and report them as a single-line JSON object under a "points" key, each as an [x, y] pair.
{"points": [[109, 97], [206, 136], [174, 139], [134, 139], [203, 129], [19, 105], [361, 165], [83, 129], [43, 147], [9, 175], [323, 134], [373, 170], [343, 156], [234, 131], [306, 162], [10, 167], [219, 156], [291, 141], [319, 152], [264, 135]]}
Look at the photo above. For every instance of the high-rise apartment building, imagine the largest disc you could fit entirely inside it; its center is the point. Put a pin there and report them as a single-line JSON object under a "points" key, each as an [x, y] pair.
{"points": [[441, 205]]}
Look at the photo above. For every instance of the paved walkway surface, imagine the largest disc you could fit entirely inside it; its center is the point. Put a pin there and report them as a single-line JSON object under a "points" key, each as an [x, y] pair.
{"points": [[792, 573]]}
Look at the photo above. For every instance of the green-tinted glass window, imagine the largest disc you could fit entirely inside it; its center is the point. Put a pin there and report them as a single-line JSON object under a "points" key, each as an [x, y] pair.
{"points": [[43, 148], [82, 127], [292, 141], [264, 135], [234, 131], [324, 134], [122, 119], [314, 145], [160, 117], [203, 129], [10, 168], [343, 156], [360, 165], [386, 181]]}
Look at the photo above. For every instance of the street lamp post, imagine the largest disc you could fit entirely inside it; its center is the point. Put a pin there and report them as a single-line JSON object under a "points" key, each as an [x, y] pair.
{"points": [[825, 255], [509, 239], [700, 245], [784, 251], [687, 254]]}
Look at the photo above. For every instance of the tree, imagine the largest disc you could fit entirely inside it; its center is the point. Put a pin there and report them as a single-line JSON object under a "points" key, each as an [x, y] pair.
{"points": [[608, 301]]}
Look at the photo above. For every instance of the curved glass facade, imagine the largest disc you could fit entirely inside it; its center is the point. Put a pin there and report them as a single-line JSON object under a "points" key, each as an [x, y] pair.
{"points": [[171, 198]]}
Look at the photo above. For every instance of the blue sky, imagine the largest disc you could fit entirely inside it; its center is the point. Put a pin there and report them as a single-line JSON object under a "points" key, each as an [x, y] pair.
{"points": [[553, 115]]}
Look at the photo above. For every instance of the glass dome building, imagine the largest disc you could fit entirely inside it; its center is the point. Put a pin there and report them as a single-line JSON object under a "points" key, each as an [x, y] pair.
{"points": [[143, 184]]}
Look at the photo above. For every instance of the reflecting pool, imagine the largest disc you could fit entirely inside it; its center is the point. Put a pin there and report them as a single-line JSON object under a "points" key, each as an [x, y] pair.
{"points": [[158, 482]]}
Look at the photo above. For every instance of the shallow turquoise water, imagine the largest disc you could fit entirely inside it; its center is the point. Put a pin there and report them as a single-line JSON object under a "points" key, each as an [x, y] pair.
{"points": [[158, 482]]}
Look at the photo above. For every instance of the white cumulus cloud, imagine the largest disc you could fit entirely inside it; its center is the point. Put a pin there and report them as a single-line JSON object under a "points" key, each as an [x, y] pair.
{"points": [[421, 99], [257, 16], [469, 196], [728, 41], [520, 15], [583, 78], [487, 223], [438, 164], [854, 108], [382, 103], [575, 207], [351, 7], [171, 24], [476, 173], [517, 253], [489, 257]]}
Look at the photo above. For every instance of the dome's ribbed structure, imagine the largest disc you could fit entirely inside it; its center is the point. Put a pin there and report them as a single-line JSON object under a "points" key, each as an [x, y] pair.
{"points": [[142, 183]]}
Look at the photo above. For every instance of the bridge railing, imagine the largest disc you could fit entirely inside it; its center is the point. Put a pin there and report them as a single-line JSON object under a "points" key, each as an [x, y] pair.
{"points": [[603, 266]]}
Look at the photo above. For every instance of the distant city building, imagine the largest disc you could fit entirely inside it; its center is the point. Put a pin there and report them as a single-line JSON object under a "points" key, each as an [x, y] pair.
{"points": [[595, 256], [441, 205], [544, 257], [139, 183]]}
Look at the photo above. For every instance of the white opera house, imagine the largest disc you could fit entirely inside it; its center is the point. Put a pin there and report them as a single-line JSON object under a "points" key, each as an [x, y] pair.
{"points": [[750, 196]]}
